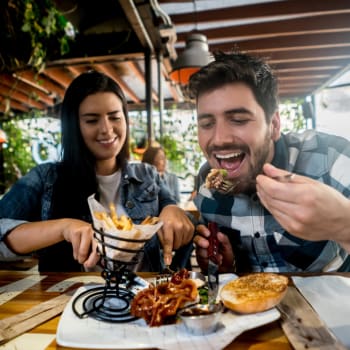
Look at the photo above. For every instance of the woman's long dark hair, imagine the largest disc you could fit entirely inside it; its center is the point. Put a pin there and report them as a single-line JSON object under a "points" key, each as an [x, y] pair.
{"points": [[76, 179]]}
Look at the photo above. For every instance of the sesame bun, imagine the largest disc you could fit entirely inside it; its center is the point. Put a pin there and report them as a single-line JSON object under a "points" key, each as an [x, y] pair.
{"points": [[255, 292]]}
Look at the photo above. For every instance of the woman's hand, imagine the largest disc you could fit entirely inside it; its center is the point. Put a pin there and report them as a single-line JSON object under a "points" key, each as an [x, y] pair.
{"points": [[32, 236], [226, 256], [81, 235], [177, 230]]}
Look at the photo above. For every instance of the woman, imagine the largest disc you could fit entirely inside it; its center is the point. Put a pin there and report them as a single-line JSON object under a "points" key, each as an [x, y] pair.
{"points": [[156, 156], [46, 211]]}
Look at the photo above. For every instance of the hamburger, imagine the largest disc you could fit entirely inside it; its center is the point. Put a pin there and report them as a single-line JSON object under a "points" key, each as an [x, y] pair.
{"points": [[215, 178], [255, 292]]}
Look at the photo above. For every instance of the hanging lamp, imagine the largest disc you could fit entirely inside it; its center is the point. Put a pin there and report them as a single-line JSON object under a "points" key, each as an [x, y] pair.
{"points": [[195, 56], [3, 136]]}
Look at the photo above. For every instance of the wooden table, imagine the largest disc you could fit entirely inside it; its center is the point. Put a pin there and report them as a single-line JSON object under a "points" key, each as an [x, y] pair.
{"points": [[267, 337]]}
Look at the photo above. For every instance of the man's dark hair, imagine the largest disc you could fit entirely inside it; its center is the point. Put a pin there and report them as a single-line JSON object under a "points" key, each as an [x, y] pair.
{"points": [[238, 67]]}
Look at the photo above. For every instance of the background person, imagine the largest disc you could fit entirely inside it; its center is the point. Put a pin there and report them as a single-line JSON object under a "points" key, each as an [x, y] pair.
{"points": [[46, 211], [155, 155], [267, 225]]}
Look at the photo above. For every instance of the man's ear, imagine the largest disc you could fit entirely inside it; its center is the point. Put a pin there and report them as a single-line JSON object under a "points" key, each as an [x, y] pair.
{"points": [[275, 126]]}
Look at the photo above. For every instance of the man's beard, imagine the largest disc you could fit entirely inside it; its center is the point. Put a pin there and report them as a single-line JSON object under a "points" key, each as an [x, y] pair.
{"points": [[261, 156]]}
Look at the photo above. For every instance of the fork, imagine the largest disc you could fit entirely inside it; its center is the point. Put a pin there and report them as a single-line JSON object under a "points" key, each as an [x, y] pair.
{"points": [[165, 275], [228, 187]]}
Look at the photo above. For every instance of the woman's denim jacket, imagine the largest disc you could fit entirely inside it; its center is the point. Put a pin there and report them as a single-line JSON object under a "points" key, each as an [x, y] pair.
{"points": [[142, 193]]}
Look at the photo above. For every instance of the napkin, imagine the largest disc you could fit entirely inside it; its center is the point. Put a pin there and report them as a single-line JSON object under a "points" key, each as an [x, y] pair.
{"points": [[119, 244], [29, 341], [329, 296]]}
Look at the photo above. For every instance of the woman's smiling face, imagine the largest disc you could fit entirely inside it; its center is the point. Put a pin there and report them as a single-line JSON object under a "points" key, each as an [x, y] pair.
{"points": [[233, 132], [103, 128]]}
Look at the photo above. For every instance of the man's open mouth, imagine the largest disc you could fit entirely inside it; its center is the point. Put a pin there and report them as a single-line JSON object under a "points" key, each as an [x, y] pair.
{"points": [[230, 161]]}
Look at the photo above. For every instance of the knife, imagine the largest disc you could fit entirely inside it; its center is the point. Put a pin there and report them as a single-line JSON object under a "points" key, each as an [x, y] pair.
{"points": [[213, 264]]}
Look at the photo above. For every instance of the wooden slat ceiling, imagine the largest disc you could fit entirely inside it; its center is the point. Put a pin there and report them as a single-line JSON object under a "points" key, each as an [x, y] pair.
{"points": [[306, 41]]}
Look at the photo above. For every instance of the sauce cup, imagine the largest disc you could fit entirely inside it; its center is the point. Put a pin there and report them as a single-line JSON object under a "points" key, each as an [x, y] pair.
{"points": [[201, 319]]}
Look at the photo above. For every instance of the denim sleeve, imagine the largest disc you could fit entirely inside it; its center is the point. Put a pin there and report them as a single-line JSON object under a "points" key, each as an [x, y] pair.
{"points": [[165, 197], [22, 203], [6, 225]]}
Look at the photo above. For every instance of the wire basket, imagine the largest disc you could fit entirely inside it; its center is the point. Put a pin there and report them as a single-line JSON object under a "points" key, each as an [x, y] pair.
{"points": [[111, 302]]}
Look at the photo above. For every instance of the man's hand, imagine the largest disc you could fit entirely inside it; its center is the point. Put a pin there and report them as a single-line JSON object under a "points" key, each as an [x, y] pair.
{"points": [[80, 235], [304, 207], [177, 230], [226, 257]]}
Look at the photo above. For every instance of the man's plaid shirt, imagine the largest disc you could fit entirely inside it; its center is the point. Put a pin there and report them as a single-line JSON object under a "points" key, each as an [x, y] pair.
{"points": [[258, 240]]}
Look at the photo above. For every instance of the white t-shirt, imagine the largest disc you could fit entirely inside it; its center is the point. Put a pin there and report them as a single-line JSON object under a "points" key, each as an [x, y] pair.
{"points": [[108, 186], [109, 193]]}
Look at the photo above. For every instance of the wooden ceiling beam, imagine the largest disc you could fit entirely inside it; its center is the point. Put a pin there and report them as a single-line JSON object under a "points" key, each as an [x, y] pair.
{"points": [[140, 75], [77, 70], [21, 97], [334, 64], [330, 54], [310, 79], [110, 71], [292, 42], [286, 74], [307, 83], [41, 81], [59, 75], [6, 104], [255, 12], [28, 89], [295, 26]]}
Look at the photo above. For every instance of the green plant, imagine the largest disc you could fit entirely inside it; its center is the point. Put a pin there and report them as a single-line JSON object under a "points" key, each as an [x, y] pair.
{"points": [[22, 133], [291, 114], [32, 32], [48, 30]]}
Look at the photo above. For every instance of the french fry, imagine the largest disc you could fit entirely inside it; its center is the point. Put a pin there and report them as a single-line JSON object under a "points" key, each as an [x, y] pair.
{"points": [[122, 222], [103, 216], [150, 220], [113, 212], [146, 220]]}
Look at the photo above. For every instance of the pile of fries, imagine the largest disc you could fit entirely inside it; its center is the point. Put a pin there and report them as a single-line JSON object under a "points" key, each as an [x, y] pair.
{"points": [[123, 239], [122, 222]]}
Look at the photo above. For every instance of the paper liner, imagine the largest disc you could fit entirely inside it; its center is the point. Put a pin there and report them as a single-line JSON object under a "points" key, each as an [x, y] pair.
{"points": [[119, 244]]}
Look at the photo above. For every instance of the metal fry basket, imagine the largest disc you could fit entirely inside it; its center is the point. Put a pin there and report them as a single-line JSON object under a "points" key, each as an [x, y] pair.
{"points": [[111, 301]]}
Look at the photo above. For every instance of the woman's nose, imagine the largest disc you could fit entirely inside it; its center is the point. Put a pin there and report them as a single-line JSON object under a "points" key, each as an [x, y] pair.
{"points": [[105, 125]]}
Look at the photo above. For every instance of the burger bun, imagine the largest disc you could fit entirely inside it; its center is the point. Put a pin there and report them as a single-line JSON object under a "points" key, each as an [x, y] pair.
{"points": [[254, 292]]}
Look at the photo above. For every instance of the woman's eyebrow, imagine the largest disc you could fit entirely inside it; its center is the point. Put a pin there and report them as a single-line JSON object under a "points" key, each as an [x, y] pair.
{"points": [[115, 112], [92, 114], [89, 114]]}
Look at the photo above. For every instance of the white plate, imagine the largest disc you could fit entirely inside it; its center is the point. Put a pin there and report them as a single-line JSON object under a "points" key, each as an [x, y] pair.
{"points": [[89, 333]]}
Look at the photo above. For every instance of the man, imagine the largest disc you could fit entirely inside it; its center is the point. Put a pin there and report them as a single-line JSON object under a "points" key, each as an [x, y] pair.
{"points": [[301, 224]]}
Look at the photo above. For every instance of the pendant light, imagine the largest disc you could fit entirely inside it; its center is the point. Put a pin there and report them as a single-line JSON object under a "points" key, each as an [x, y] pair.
{"points": [[195, 56], [3, 136]]}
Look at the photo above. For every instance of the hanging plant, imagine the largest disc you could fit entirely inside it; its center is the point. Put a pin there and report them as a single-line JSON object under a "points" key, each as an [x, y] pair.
{"points": [[32, 32]]}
